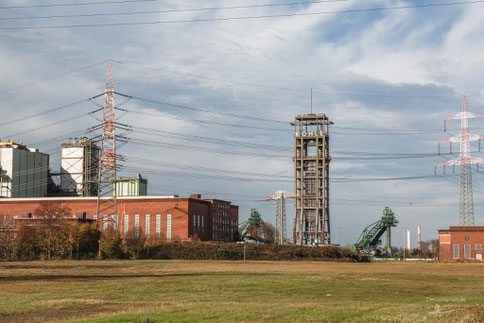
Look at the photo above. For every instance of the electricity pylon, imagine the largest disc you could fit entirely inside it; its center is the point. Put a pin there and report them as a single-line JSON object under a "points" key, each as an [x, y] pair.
{"points": [[280, 197], [466, 199], [106, 197]]}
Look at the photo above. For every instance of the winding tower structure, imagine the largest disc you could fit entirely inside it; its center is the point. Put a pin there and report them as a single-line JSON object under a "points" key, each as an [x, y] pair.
{"points": [[311, 180]]}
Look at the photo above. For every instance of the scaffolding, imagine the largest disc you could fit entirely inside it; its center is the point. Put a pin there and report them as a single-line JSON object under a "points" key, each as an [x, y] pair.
{"points": [[311, 180], [79, 167]]}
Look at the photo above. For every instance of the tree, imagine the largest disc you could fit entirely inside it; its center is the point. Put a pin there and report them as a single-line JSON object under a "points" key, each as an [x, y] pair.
{"points": [[53, 236], [264, 232]]}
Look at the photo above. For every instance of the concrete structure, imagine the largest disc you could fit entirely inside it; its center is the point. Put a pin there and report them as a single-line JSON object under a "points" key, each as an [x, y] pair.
{"points": [[131, 186], [311, 180], [168, 217], [79, 165], [23, 171], [461, 243]]}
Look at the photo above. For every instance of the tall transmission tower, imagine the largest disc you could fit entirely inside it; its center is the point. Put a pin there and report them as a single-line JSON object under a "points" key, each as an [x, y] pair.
{"points": [[311, 180], [280, 197], [466, 199], [106, 197]]}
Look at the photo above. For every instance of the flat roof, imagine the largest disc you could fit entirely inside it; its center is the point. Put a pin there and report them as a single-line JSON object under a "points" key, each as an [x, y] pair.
{"points": [[464, 228], [85, 198]]}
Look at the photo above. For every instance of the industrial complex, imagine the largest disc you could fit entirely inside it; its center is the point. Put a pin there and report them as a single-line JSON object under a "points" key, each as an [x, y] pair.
{"points": [[88, 184]]}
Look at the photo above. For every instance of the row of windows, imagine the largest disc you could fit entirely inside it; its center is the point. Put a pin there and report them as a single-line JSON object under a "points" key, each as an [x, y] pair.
{"points": [[467, 250], [198, 220], [222, 206], [147, 229]]}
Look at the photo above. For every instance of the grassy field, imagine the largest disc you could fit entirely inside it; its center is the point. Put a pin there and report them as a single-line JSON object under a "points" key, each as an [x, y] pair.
{"points": [[161, 290]]}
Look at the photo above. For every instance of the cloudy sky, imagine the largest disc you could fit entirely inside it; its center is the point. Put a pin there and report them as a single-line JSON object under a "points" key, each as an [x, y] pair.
{"points": [[386, 78]]}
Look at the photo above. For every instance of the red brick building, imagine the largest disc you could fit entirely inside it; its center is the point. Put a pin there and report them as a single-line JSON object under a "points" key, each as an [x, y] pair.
{"points": [[461, 243], [169, 217]]}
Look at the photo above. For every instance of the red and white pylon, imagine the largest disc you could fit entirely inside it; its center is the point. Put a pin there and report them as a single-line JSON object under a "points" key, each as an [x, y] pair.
{"points": [[280, 197], [106, 202], [466, 199]]}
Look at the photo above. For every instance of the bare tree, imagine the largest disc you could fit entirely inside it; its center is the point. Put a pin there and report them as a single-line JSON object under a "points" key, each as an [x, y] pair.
{"points": [[264, 232]]}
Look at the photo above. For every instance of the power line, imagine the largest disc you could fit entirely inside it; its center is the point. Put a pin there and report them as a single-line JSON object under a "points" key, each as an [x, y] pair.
{"points": [[62, 107], [75, 4], [199, 121], [53, 123], [184, 107], [349, 11], [51, 77], [175, 10], [281, 88]]}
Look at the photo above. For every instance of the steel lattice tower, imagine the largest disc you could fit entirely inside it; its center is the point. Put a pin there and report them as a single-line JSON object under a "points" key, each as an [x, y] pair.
{"points": [[106, 201], [466, 199], [311, 180], [280, 197]]}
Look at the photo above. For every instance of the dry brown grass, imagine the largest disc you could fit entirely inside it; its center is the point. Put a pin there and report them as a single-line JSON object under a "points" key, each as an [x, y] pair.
{"points": [[155, 290]]}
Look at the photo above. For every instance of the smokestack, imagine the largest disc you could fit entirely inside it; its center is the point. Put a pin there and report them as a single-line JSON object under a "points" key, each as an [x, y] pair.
{"points": [[408, 239], [419, 236]]}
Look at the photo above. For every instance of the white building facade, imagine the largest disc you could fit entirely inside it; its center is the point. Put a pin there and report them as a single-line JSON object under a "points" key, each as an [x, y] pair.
{"points": [[24, 172]]}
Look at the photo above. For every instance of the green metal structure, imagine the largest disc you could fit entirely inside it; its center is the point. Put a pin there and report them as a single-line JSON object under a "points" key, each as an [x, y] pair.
{"points": [[369, 242], [254, 219]]}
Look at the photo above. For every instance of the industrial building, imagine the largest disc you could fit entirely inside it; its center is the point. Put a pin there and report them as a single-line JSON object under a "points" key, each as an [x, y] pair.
{"points": [[461, 243], [79, 165], [169, 217], [131, 186], [23, 171], [311, 180]]}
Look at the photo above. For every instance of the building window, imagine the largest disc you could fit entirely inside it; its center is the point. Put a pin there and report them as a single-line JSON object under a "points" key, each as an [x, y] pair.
{"points": [[126, 225], [5, 220], [136, 225], [478, 246], [467, 251], [194, 220], [115, 224], [94, 216], [198, 220], [456, 251], [105, 223], [168, 226], [147, 225], [158, 225], [203, 218]]}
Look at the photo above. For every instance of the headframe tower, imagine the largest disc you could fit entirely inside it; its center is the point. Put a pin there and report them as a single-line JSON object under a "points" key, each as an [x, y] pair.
{"points": [[311, 180]]}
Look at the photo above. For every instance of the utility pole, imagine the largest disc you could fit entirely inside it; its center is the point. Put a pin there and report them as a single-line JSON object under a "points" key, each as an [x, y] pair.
{"points": [[464, 161], [106, 182]]}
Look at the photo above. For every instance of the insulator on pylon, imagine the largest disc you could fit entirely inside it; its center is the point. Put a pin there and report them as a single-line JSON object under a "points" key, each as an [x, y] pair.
{"points": [[445, 125], [451, 148], [444, 169], [477, 168], [453, 169], [438, 149], [435, 170]]}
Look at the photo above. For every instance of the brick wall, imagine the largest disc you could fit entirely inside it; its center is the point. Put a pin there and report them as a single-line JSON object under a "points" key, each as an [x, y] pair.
{"points": [[182, 212], [458, 237]]}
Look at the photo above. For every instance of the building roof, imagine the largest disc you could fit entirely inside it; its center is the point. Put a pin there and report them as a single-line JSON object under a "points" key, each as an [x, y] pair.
{"points": [[464, 228], [86, 198]]}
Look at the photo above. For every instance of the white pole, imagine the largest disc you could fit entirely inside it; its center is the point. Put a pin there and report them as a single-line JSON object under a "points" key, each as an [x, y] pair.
{"points": [[408, 239], [419, 230]]}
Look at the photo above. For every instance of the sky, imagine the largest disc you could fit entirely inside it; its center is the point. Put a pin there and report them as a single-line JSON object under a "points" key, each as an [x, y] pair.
{"points": [[386, 78]]}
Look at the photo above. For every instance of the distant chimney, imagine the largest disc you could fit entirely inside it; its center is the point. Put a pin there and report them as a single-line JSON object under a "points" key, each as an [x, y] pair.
{"points": [[196, 196]]}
